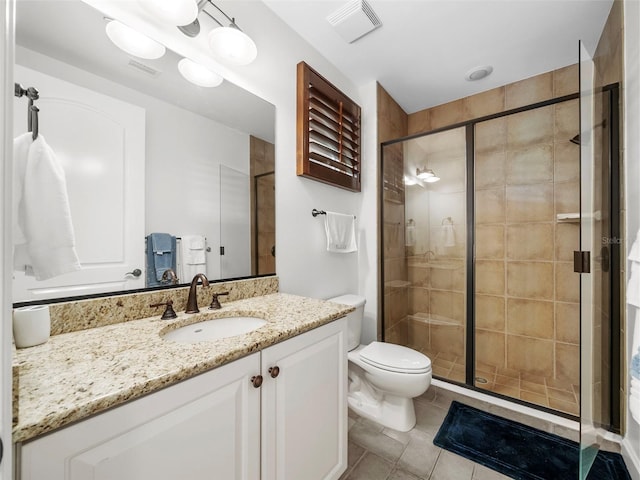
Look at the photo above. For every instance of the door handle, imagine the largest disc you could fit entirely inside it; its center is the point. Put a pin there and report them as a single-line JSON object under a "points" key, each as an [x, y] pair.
{"points": [[136, 273]]}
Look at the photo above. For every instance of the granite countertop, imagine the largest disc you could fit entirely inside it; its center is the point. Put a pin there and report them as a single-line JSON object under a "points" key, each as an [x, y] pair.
{"points": [[75, 375]]}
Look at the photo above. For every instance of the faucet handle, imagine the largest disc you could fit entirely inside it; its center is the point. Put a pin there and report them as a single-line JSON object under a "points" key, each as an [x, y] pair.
{"points": [[215, 303], [169, 312]]}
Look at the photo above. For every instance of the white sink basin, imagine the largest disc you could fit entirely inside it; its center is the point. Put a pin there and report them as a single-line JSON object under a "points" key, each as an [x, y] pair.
{"points": [[214, 329]]}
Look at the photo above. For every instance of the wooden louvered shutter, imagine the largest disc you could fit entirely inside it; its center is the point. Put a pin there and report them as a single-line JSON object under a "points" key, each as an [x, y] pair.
{"points": [[328, 132]]}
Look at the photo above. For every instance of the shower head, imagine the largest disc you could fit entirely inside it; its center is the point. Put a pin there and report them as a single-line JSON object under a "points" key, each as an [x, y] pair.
{"points": [[576, 139]]}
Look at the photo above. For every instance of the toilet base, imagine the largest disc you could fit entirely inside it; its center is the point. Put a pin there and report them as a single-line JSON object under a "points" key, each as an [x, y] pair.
{"points": [[390, 411]]}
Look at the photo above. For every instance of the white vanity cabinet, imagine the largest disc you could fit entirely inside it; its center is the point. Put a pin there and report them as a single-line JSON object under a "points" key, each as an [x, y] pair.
{"points": [[304, 408], [203, 428], [218, 425]]}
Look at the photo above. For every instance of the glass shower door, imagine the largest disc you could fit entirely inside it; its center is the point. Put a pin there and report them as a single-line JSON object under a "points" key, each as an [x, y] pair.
{"points": [[425, 248], [588, 369]]}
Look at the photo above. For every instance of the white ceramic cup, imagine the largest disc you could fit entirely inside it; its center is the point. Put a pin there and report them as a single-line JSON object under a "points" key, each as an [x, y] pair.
{"points": [[31, 325]]}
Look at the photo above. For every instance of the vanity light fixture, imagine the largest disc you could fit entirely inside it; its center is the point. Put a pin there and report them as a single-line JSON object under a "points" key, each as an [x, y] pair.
{"points": [[228, 44], [427, 175], [172, 12], [198, 74], [133, 42], [408, 180], [433, 179]]}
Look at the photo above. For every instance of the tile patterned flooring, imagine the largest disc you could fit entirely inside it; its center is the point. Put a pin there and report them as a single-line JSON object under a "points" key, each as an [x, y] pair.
{"points": [[539, 390], [378, 453]]}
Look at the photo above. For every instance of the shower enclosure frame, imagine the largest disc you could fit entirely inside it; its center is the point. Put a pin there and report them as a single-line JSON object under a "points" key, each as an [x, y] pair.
{"points": [[614, 279]]}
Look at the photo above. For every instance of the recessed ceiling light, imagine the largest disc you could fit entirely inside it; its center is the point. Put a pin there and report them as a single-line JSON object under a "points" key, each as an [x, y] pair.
{"points": [[478, 73]]}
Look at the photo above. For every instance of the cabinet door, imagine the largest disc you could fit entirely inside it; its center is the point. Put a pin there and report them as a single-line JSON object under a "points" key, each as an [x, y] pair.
{"points": [[207, 427], [304, 409]]}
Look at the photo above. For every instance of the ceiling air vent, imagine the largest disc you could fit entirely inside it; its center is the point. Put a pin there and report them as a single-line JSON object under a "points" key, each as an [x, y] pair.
{"points": [[354, 20], [152, 72]]}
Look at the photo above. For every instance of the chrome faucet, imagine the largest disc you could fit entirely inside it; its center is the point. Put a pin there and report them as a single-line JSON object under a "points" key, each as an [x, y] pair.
{"points": [[192, 301], [169, 274]]}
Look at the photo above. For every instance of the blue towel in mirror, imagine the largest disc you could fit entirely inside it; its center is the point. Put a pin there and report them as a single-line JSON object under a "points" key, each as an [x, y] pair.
{"points": [[161, 256]]}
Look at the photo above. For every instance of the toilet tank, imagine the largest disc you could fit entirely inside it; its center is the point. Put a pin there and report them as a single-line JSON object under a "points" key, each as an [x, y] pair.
{"points": [[354, 319]]}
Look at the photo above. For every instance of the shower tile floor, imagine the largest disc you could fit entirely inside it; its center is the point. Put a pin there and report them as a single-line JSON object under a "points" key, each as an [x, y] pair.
{"points": [[378, 453], [538, 390]]}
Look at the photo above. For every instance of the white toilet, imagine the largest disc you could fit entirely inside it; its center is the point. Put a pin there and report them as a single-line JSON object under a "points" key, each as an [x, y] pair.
{"points": [[383, 377]]}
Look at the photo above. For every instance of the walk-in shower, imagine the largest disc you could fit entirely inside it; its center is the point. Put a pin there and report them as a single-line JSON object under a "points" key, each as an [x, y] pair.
{"points": [[478, 268]]}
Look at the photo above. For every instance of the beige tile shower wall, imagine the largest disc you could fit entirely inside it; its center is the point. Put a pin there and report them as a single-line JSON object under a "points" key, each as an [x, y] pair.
{"points": [[392, 124], [527, 315], [542, 87], [527, 310]]}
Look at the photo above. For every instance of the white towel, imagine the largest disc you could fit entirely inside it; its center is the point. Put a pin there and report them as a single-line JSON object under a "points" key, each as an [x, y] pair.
{"points": [[448, 235], [634, 406], [634, 253], [341, 232], [410, 235], [45, 241], [194, 259], [633, 287], [21, 146]]}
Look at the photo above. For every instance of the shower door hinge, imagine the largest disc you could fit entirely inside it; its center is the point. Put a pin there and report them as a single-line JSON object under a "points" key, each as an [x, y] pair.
{"points": [[581, 262]]}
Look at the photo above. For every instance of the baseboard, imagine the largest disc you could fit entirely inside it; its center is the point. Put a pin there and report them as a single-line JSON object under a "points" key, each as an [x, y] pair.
{"points": [[631, 459]]}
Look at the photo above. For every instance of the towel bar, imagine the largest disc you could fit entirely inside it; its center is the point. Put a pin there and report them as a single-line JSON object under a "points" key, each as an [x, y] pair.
{"points": [[315, 212]]}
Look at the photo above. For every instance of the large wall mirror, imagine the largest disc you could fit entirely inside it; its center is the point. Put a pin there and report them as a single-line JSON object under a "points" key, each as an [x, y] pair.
{"points": [[144, 152]]}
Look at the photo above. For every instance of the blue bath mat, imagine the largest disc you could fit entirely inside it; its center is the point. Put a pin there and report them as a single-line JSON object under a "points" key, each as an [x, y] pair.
{"points": [[519, 451]]}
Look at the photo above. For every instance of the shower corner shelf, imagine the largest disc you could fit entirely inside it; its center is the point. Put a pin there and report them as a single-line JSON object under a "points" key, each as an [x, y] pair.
{"points": [[397, 284], [572, 217], [432, 319]]}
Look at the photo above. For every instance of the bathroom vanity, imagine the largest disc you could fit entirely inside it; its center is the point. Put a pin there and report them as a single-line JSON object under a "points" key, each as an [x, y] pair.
{"points": [[268, 404]]}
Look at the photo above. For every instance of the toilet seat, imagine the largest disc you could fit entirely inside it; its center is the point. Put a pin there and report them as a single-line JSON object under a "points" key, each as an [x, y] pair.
{"points": [[395, 358]]}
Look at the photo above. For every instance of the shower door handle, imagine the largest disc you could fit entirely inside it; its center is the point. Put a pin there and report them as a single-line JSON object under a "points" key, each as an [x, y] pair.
{"points": [[581, 262]]}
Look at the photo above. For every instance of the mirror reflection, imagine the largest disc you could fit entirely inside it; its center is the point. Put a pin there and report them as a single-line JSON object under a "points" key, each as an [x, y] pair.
{"points": [[160, 173]]}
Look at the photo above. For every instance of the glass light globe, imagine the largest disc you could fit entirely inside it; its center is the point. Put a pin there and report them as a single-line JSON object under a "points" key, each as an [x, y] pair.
{"points": [[424, 174], [198, 74], [172, 12], [133, 42], [231, 45]]}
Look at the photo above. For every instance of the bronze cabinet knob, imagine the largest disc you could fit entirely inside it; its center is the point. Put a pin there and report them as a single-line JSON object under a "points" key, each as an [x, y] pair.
{"points": [[274, 371], [256, 381]]}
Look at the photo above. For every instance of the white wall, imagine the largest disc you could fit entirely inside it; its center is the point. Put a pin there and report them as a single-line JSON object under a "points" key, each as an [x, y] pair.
{"points": [[631, 96], [183, 175], [302, 263], [179, 145]]}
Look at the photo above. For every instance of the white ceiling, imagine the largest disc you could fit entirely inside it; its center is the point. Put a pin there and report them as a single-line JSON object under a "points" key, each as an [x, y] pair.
{"points": [[424, 47]]}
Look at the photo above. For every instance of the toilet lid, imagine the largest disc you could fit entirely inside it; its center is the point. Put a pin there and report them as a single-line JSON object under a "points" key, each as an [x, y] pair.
{"points": [[395, 358]]}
